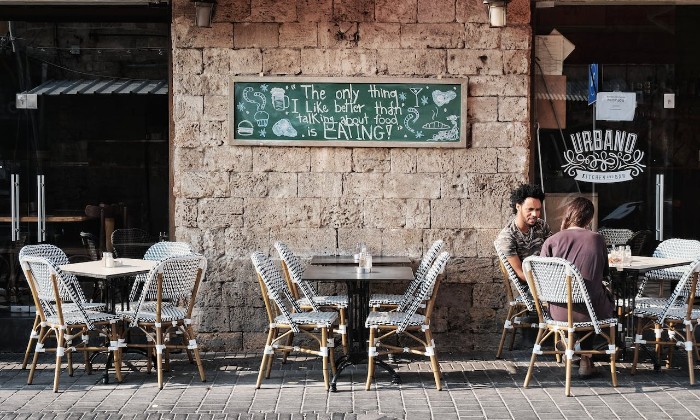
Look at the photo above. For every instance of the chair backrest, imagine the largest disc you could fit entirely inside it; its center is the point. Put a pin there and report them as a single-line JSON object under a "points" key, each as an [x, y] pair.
{"points": [[42, 274], [512, 282], [616, 236], [426, 291], [273, 287], [69, 286], [131, 242], [640, 243], [164, 249], [92, 249], [180, 277], [421, 272], [293, 270], [678, 248], [159, 251], [684, 288], [550, 278]]}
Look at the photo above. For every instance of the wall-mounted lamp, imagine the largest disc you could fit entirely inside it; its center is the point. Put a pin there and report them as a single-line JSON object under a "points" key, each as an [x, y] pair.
{"points": [[497, 12], [204, 12]]}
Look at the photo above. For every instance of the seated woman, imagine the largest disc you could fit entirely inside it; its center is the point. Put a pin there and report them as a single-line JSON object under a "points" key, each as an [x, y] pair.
{"points": [[588, 252]]}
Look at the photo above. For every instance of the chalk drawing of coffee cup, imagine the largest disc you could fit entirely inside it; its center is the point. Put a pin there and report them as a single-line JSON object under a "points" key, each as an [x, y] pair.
{"points": [[280, 101]]}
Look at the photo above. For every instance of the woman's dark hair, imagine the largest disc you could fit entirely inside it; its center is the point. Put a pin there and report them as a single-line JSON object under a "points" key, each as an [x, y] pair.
{"points": [[523, 192], [579, 213]]}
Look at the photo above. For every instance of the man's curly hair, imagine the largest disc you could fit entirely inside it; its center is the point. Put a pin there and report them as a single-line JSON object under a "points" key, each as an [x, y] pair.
{"points": [[520, 194]]}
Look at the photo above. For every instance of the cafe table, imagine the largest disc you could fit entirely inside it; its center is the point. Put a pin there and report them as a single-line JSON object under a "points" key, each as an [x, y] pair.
{"points": [[358, 285], [625, 287], [124, 268]]}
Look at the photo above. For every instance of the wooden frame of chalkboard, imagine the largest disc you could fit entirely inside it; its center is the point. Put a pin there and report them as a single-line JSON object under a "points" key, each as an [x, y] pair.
{"points": [[348, 112]]}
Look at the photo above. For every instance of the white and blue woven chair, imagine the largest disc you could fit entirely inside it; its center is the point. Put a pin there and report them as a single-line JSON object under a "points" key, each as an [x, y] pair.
{"points": [[70, 329], [407, 323], [399, 302], [555, 280], [312, 301], [670, 248], [520, 303], [314, 325], [157, 252], [164, 309], [672, 323], [57, 257]]}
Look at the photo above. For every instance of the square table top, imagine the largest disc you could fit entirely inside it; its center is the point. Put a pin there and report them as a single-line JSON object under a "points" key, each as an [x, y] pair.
{"points": [[350, 260], [643, 264], [97, 269], [338, 273]]}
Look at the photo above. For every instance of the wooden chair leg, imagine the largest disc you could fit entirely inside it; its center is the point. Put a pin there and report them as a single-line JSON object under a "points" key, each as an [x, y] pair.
{"points": [[267, 352], [197, 356], [371, 350], [32, 338], [635, 358], [39, 343], [540, 332], [114, 334], [613, 355], [60, 348], [430, 351], [324, 355], [159, 355], [288, 342], [504, 334], [268, 368], [690, 338], [344, 330], [331, 350]]}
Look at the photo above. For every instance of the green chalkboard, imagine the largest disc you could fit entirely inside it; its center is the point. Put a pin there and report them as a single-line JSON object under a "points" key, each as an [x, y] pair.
{"points": [[370, 112]]}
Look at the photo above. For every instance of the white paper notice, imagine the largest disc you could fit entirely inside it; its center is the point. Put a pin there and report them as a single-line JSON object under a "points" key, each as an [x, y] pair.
{"points": [[615, 106], [551, 50]]}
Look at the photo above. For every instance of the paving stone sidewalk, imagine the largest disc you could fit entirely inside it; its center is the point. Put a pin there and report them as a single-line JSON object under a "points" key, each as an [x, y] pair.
{"points": [[475, 387]]}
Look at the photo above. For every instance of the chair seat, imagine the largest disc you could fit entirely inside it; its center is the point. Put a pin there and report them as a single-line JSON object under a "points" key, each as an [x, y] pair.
{"points": [[76, 318], [379, 299], [646, 302], [71, 307], [339, 301], [147, 312], [321, 319], [392, 318], [564, 324], [676, 313]]}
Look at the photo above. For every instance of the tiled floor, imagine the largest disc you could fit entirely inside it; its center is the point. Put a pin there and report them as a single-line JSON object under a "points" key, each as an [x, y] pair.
{"points": [[474, 386]]}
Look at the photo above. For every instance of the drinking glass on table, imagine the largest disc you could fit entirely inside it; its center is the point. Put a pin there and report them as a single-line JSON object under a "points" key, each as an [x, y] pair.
{"points": [[615, 258], [627, 256]]}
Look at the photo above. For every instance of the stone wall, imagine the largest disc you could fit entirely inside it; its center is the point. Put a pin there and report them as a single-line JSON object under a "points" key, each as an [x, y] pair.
{"points": [[231, 200]]}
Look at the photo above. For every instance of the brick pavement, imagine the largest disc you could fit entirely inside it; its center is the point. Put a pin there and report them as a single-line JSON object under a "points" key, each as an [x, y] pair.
{"points": [[475, 387]]}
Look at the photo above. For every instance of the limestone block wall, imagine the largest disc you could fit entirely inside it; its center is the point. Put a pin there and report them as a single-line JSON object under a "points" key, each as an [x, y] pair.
{"points": [[233, 200]]}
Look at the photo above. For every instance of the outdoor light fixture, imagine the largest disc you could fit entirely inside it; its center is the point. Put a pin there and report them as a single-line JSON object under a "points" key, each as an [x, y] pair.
{"points": [[204, 11], [497, 12]]}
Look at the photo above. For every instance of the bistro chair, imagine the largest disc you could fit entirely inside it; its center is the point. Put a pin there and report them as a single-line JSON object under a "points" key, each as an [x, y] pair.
{"points": [[69, 328], [157, 252], [391, 301], [312, 301], [407, 323], [688, 249], [555, 280], [131, 242], [673, 323], [164, 308], [314, 325], [520, 303], [56, 256], [615, 236]]}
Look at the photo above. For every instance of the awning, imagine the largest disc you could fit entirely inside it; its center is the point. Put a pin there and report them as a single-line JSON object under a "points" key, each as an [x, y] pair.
{"points": [[101, 87]]}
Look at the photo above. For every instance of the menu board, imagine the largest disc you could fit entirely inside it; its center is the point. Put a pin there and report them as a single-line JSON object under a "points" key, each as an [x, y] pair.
{"points": [[355, 112]]}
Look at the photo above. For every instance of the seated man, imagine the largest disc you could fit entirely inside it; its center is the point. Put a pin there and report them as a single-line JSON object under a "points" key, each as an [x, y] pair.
{"points": [[525, 233]]}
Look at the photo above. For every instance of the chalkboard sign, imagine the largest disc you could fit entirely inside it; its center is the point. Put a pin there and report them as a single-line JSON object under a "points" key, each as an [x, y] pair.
{"points": [[357, 112]]}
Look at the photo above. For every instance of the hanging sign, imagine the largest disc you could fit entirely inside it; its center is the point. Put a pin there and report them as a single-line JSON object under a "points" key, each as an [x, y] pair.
{"points": [[603, 156], [592, 83]]}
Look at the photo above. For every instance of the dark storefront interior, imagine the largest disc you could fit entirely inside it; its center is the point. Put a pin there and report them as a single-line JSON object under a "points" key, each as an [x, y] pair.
{"points": [[648, 50], [105, 145]]}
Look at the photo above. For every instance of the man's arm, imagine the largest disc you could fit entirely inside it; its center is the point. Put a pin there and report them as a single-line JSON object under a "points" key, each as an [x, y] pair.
{"points": [[517, 265]]}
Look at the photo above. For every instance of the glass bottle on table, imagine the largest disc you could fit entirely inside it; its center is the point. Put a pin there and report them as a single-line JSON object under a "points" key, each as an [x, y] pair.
{"points": [[627, 256]]}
